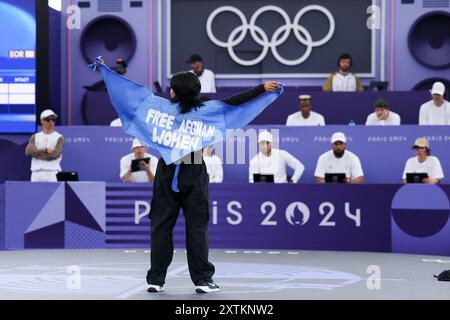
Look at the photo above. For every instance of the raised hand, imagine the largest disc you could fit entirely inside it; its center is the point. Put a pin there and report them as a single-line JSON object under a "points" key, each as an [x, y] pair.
{"points": [[271, 86]]}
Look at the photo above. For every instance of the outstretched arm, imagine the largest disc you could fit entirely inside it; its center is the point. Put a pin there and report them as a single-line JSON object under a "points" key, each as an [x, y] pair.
{"points": [[248, 105], [126, 96], [245, 96]]}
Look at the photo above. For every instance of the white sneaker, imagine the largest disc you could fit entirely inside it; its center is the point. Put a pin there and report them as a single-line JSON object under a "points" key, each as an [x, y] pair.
{"points": [[154, 288], [206, 287]]}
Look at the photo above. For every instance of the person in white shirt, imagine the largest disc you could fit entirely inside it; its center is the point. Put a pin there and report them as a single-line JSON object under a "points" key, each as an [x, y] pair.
{"points": [[206, 76], [305, 117], [46, 148], [343, 80], [116, 123], [148, 170], [424, 162], [213, 165], [271, 161], [339, 160], [437, 111], [382, 115]]}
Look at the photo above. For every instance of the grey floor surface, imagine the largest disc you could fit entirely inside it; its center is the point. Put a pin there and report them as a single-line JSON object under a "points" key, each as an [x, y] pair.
{"points": [[260, 275]]}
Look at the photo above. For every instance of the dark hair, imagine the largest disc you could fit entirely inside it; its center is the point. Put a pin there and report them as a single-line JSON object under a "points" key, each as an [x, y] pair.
{"points": [[345, 56], [195, 58], [186, 86], [381, 103]]}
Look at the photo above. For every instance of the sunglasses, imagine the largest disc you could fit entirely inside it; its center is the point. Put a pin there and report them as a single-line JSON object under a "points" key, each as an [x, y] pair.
{"points": [[50, 119]]}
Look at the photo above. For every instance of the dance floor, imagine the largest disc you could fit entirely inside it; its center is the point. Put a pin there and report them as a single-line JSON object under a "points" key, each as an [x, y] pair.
{"points": [[241, 275]]}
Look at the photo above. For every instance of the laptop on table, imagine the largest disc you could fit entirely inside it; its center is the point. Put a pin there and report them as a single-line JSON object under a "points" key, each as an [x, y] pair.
{"points": [[263, 178], [416, 177], [335, 178]]}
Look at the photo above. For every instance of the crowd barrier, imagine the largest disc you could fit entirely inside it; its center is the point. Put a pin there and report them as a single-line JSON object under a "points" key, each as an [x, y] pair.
{"points": [[374, 218]]}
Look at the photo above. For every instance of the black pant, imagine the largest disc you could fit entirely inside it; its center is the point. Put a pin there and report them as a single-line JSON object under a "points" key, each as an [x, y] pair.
{"points": [[193, 198]]}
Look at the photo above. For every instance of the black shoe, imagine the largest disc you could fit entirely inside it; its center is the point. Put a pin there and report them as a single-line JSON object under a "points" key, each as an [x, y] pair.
{"points": [[206, 287], [153, 288]]}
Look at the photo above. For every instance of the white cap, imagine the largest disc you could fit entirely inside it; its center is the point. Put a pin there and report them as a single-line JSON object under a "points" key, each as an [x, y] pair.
{"points": [[136, 144], [339, 136], [48, 113], [438, 88], [304, 97], [265, 136]]}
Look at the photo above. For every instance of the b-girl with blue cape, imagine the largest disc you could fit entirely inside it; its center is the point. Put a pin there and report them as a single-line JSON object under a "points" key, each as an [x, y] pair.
{"points": [[179, 128]]}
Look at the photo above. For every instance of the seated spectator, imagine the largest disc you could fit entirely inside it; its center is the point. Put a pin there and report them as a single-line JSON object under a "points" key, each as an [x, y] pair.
{"points": [[305, 117], [343, 80], [424, 162], [206, 76], [437, 111], [339, 161], [382, 115], [45, 149], [213, 165], [147, 170], [270, 161], [116, 123]]}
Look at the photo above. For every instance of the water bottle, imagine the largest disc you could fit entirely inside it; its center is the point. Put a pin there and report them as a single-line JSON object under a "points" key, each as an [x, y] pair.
{"points": [[352, 123]]}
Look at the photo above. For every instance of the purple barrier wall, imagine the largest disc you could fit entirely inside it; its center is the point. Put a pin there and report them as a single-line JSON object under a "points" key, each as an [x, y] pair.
{"points": [[95, 152], [55, 215], [378, 218], [264, 216], [12, 156], [337, 108]]}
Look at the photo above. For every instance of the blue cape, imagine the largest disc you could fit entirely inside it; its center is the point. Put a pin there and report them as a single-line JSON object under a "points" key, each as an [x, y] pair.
{"points": [[158, 123]]}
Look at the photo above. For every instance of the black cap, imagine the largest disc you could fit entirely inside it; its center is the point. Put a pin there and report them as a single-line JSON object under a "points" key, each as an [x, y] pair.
{"points": [[195, 58], [121, 61]]}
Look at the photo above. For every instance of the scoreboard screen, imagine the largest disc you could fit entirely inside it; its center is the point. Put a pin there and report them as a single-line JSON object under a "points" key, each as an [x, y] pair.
{"points": [[17, 66]]}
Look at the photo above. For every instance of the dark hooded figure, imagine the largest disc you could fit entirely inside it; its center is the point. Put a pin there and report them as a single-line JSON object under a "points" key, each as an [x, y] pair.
{"points": [[184, 185]]}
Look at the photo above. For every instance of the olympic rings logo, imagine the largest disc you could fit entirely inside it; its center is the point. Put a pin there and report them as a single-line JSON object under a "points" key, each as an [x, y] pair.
{"points": [[278, 38]]}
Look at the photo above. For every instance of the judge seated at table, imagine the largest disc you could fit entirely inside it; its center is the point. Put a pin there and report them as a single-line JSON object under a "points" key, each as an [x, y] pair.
{"points": [[435, 112], [383, 116], [424, 163], [273, 162], [343, 80], [144, 170], [305, 117], [339, 161]]}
